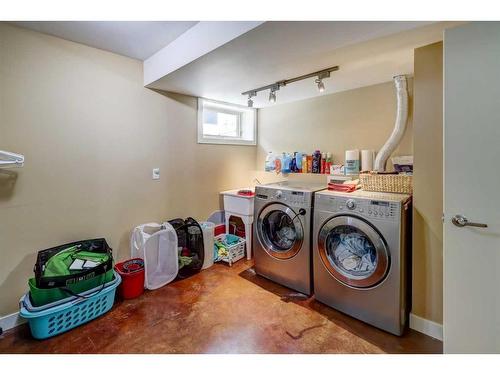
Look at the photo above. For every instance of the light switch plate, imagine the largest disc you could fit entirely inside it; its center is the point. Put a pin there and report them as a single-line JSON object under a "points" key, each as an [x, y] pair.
{"points": [[156, 173]]}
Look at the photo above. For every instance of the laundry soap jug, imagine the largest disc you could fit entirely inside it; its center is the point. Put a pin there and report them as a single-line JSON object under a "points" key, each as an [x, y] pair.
{"points": [[351, 162], [270, 164], [285, 163]]}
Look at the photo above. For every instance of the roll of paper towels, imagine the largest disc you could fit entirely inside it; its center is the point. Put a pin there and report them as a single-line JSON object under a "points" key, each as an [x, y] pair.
{"points": [[367, 157]]}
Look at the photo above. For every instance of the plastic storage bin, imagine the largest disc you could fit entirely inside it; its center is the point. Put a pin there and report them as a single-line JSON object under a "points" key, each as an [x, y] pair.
{"points": [[50, 320], [132, 274]]}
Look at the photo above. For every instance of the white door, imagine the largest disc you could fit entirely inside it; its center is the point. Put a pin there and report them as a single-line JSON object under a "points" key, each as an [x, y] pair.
{"points": [[471, 319]]}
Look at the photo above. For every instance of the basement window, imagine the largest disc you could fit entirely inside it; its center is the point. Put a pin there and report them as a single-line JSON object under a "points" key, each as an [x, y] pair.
{"points": [[223, 123]]}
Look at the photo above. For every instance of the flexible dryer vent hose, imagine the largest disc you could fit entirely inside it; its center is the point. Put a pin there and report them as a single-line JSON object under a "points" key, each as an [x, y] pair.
{"points": [[400, 126]]}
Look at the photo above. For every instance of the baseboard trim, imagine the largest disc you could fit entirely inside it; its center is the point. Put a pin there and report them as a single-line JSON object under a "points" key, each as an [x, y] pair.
{"points": [[10, 321], [427, 327]]}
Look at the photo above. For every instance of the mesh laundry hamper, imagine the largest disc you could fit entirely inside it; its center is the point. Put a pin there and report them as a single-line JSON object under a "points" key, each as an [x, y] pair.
{"points": [[190, 246], [157, 245], [208, 243]]}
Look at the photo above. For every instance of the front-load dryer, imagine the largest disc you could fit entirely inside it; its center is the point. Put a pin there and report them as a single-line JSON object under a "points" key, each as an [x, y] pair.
{"points": [[282, 233], [361, 260]]}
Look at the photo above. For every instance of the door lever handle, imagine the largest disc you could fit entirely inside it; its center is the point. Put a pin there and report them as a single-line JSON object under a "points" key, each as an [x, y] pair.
{"points": [[461, 221]]}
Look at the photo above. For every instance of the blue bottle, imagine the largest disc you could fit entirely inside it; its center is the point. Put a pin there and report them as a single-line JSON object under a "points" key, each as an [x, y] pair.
{"points": [[285, 163]]}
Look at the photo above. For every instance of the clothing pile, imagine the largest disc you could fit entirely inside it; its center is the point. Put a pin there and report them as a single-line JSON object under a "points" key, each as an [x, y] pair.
{"points": [[354, 252], [346, 186]]}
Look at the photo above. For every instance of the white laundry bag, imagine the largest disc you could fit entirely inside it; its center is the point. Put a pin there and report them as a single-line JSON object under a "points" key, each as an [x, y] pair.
{"points": [[157, 245], [208, 229]]}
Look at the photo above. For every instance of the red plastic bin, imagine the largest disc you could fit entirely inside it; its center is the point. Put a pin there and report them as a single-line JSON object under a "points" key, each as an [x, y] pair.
{"points": [[132, 274]]}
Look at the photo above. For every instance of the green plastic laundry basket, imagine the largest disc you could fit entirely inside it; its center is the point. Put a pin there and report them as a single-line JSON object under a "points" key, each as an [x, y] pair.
{"points": [[44, 296]]}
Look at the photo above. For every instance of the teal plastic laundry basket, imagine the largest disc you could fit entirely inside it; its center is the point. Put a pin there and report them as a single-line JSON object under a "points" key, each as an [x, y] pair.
{"points": [[53, 320]]}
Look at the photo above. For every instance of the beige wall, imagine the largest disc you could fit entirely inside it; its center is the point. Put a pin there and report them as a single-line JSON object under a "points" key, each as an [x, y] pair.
{"points": [[91, 134], [428, 183], [362, 118]]}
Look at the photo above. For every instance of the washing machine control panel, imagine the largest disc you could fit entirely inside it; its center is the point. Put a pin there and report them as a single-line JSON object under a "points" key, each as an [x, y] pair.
{"points": [[291, 197], [294, 197], [362, 207]]}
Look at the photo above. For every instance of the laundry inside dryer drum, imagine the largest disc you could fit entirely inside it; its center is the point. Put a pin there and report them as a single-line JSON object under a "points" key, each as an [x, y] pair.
{"points": [[351, 252], [279, 229]]}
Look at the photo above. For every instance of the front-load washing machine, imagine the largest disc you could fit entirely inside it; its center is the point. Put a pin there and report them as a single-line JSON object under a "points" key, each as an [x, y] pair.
{"points": [[282, 232], [361, 256]]}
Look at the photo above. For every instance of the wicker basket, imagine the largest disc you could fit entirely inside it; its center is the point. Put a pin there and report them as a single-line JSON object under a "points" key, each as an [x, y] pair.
{"points": [[387, 183]]}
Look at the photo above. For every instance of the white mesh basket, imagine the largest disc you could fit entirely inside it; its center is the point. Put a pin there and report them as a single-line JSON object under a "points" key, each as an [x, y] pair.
{"points": [[157, 245]]}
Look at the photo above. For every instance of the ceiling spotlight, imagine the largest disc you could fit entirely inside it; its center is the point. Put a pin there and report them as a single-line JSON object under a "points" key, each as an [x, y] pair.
{"points": [[272, 93], [321, 85], [272, 97], [250, 101]]}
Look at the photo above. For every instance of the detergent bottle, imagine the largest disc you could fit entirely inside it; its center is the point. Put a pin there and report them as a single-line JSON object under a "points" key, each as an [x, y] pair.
{"points": [[298, 162], [277, 164], [293, 163], [285, 163], [316, 162], [304, 164], [323, 162], [270, 165], [329, 162]]}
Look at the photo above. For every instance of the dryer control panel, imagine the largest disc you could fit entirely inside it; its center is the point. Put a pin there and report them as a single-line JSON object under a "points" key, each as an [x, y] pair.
{"points": [[359, 206]]}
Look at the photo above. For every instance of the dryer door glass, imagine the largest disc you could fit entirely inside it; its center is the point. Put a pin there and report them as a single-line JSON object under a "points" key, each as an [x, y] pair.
{"points": [[353, 252], [280, 231]]}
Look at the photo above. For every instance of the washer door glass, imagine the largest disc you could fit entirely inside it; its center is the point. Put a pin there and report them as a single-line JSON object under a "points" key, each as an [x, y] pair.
{"points": [[353, 252], [280, 231]]}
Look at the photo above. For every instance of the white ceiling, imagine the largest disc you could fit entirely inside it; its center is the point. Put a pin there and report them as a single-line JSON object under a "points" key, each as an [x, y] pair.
{"points": [[367, 53], [135, 39]]}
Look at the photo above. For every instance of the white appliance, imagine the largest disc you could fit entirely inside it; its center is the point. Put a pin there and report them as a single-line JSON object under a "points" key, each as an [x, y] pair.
{"points": [[282, 232], [361, 258]]}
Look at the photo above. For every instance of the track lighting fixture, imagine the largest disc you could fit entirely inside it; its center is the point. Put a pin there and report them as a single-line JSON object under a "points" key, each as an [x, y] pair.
{"points": [[321, 75]]}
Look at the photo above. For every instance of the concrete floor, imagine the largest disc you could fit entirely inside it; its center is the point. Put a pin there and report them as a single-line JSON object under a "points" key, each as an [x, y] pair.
{"points": [[222, 310]]}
